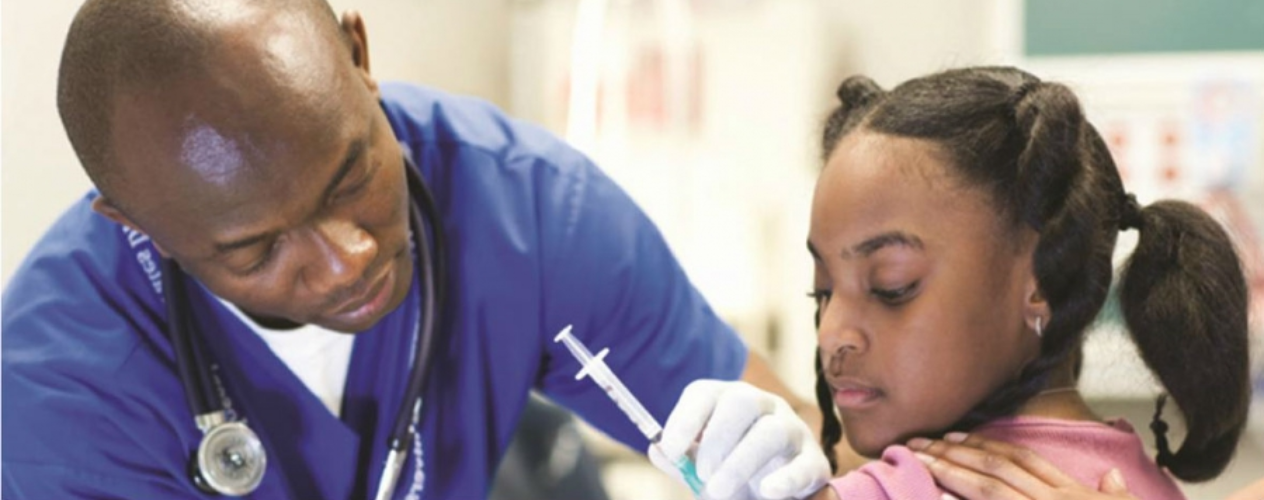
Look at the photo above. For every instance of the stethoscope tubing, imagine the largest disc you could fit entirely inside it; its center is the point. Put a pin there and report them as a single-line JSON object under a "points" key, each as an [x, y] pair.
{"points": [[190, 363]]}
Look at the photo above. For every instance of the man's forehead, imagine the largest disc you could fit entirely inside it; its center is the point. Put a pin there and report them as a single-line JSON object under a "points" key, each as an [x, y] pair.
{"points": [[204, 161], [212, 156], [245, 104]]}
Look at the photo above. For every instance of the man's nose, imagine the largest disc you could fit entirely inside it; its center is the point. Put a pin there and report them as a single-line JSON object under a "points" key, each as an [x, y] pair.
{"points": [[344, 253]]}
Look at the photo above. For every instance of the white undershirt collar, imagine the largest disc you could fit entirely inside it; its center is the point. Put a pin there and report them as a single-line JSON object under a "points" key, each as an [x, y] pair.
{"points": [[319, 357]]}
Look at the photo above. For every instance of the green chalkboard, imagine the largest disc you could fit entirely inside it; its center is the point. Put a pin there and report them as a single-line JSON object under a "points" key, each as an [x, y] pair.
{"points": [[1086, 27]]}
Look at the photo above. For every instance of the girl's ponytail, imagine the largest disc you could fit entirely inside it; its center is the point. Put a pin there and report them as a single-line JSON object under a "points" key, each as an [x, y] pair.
{"points": [[1184, 298]]}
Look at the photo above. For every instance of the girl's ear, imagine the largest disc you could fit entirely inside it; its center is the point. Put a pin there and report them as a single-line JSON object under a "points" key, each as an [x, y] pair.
{"points": [[1035, 309], [1036, 312]]}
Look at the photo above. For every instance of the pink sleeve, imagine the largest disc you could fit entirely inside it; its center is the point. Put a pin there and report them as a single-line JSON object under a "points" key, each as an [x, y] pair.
{"points": [[898, 476]]}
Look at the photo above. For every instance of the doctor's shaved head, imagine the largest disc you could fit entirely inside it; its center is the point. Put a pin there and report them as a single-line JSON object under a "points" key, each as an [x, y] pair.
{"points": [[118, 51], [246, 138]]}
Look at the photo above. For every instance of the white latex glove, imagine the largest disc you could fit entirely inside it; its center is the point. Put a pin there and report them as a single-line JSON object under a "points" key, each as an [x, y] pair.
{"points": [[752, 445]]}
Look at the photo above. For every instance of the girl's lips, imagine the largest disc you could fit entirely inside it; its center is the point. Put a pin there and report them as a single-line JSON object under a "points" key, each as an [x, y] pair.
{"points": [[851, 394]]}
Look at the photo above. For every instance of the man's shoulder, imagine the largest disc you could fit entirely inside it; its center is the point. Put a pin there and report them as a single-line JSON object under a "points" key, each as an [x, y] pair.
{"points": [[83, 296], [84, 254], [422, 115]]}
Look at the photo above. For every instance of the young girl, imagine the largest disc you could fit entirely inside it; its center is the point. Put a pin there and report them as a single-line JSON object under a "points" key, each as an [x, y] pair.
{"points": [[962, 231]]}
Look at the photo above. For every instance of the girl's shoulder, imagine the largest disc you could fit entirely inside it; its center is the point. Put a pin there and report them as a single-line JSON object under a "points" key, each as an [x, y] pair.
{"points": [[1083, 450]]}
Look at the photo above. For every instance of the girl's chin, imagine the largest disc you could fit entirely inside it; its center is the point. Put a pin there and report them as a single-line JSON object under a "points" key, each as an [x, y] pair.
{"points": [[864, 444]]}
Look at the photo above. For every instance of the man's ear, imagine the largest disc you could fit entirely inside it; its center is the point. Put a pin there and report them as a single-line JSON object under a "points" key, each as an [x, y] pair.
{"points": [[353, 30], [105, 207]]}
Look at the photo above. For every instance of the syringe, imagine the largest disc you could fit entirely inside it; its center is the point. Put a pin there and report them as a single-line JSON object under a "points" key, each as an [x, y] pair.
{"points": [[595, 368]]}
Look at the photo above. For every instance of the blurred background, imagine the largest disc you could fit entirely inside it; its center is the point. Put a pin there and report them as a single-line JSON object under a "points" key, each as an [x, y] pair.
{"points": [[708, 112]]}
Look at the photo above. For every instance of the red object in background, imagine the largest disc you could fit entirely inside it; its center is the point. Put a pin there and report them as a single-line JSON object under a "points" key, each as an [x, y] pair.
{"points": [[647, 89], [1170, 153], [646, 97], [1117, 142]]}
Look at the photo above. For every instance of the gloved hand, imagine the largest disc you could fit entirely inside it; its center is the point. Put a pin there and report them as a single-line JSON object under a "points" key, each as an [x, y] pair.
{"points": [[750, 443]]}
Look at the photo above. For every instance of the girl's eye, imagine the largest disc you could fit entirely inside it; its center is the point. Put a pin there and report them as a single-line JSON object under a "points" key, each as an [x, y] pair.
{"points": [[820, 296], [895, 295]]}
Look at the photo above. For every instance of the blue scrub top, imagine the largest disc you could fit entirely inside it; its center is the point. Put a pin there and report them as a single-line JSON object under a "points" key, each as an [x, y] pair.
{"points": [[537, 237]]}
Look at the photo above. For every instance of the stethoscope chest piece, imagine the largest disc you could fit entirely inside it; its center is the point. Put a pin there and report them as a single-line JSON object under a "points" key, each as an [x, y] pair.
{"points": [[229, 461]]}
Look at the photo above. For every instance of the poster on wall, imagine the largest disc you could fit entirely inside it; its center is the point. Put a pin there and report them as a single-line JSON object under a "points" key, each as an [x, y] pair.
{"points": [[1203, 146]]}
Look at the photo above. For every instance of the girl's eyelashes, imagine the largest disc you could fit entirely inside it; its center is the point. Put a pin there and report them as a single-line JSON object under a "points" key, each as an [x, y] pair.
{"points": [[889, 296], [895, 295]]}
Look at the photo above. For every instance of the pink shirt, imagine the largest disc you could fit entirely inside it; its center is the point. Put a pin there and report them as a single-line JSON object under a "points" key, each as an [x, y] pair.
{"points": [[1083, 450]]}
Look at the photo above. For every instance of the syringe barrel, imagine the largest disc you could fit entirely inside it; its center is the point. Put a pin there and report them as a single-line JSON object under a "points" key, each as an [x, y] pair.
{"points": [[618, 392], [596, 369]]}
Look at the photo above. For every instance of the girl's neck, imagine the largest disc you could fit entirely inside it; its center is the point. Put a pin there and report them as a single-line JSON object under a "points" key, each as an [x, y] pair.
{"points": [[1064, 403], [1060, 399]]}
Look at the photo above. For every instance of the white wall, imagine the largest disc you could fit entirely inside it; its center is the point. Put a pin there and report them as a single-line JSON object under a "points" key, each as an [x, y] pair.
{"points": [[458, 45], [40, 173], [895, 41]]}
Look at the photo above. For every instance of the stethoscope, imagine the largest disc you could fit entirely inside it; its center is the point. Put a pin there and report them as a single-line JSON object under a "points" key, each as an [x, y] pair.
{"points": [[230, 459]]}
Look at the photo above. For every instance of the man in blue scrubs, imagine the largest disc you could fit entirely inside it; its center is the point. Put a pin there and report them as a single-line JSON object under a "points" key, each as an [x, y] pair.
{"points": [[248, 142]]}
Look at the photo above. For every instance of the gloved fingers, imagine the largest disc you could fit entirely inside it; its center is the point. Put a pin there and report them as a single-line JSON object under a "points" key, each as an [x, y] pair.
{"points": [[660, 461], [690, 415], [769, 438], [736, 410], [801, 477], [663, 463], [769, 467]]}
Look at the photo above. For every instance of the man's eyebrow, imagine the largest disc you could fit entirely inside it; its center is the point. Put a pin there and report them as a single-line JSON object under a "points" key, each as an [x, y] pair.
{"points": [[349, 160], [891, 238]]}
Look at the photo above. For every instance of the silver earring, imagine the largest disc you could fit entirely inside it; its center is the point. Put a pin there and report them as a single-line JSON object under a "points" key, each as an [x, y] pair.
{"points": [[1040, 332]]}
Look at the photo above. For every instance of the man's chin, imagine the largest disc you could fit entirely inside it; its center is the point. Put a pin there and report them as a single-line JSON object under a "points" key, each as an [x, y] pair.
{"points": [[348, 329], [353, 327], [357, 325]]}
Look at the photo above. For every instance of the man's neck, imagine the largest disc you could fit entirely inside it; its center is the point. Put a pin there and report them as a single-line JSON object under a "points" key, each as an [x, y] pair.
{"points": [[271, 323]]}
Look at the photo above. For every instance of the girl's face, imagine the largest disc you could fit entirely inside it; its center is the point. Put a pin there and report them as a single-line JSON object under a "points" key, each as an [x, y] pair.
{"points": [[926, 297]]}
